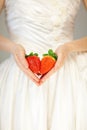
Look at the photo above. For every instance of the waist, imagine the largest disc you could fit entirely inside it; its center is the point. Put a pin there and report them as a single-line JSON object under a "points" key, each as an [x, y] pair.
{"points": [[40, 47]]}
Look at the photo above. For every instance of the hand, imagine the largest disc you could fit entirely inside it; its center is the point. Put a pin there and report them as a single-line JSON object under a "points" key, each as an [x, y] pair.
{"points": [[19, 55], [62, 52]]}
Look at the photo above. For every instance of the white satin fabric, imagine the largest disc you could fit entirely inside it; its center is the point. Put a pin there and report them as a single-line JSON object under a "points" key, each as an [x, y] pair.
{"points": [[61, 102]]}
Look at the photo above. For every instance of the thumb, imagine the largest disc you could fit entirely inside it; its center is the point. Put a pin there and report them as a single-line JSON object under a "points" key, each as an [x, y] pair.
{"points": [[23, 60], [59, 61]]}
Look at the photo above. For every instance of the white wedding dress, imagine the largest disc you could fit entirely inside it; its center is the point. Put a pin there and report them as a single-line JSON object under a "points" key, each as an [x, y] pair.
{"points": [[61, 102]]}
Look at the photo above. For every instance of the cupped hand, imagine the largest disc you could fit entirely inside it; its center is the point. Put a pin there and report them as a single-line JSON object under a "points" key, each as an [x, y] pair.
{"points": [[62, 52], [18, 52]]}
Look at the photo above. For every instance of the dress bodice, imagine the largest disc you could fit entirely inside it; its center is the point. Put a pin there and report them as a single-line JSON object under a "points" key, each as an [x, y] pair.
{"points": [[41, 21]]}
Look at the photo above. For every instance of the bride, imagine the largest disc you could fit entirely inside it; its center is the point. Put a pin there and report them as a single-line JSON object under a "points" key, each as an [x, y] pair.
{"points": [[57, 100], [63, 51]]}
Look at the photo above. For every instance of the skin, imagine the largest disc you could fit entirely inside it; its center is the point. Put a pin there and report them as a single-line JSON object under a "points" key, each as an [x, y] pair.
{"points": [[62, 51]]}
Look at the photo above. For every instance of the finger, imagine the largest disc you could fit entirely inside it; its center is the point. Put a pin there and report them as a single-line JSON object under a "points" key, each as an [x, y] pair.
{"points": [[27, 71], [37, 83], [33, 75], [54, 69], [23, 60], [47, 75], [59, 61]]}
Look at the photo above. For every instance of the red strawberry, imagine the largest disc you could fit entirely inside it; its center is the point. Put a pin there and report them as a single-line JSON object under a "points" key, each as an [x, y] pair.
{"points": [[34, 62], [48, 61]]}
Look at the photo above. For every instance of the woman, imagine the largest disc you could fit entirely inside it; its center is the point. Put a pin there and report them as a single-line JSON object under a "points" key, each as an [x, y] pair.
{"points": [[60, 101]]}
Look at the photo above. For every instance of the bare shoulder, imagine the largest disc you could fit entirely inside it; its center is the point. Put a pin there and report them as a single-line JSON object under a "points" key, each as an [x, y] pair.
{"points": [[2, 3], [85, 3]]}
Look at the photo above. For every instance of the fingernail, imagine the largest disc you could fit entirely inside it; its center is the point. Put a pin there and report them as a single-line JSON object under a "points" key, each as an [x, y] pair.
{"points": [[38, 80], [26, 66], [42, 80]]}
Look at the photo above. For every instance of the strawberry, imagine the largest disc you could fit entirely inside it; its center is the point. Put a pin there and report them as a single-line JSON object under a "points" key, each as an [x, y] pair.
{"points": [[48, 61], [34, 62]]}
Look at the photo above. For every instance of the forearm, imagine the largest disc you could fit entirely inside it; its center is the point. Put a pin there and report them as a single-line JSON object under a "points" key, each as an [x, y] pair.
{"points": [[6, 44], [79, 45]]}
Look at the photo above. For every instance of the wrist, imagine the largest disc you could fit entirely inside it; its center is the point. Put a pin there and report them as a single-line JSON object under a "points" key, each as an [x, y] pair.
{"points": [[70, 47], [12, 47]]}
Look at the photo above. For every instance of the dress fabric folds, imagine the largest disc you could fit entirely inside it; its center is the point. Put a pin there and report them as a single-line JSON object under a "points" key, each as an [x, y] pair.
{"points": [[60, 103]]}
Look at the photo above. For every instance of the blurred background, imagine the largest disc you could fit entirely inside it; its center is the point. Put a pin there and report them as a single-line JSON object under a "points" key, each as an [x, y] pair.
{"points": [[79, 31]]}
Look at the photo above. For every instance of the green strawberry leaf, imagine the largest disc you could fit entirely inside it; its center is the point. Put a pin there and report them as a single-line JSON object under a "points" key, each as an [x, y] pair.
{"points": [[50, 52], [53, 54], [45, 54], [36, 54], [31, 54]]}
